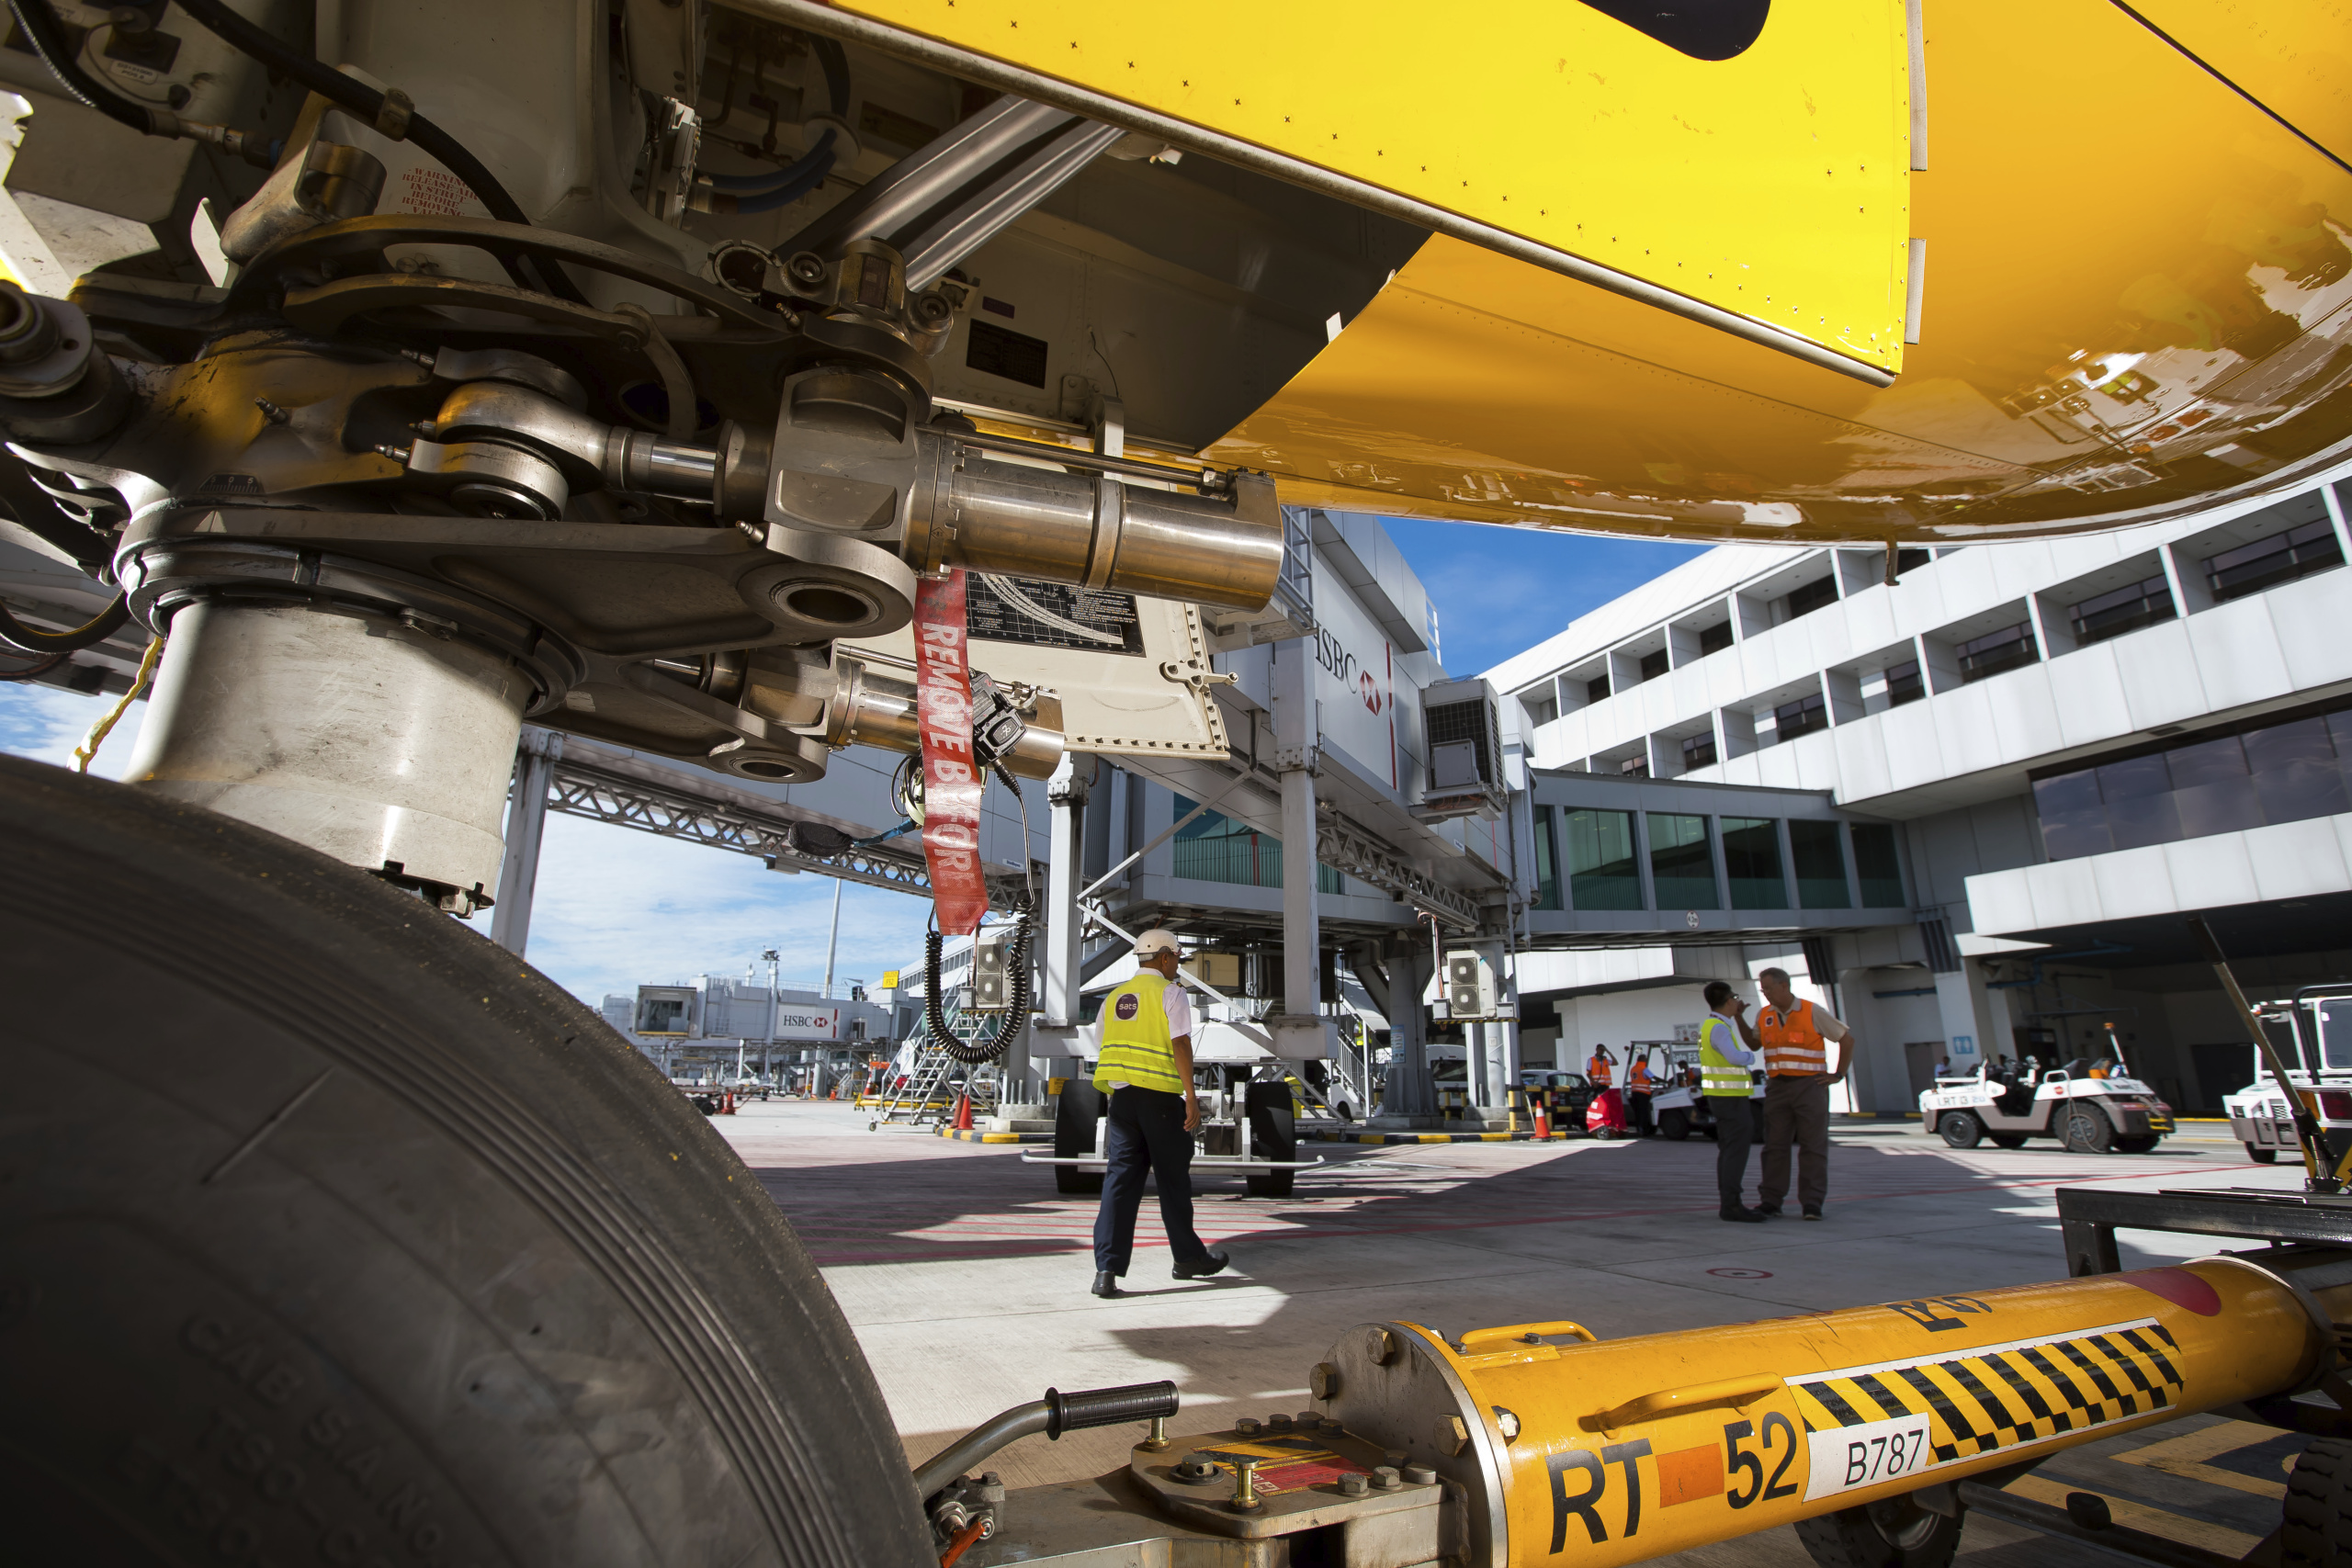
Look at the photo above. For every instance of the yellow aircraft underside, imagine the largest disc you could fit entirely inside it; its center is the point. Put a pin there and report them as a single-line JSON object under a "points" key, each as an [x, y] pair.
{"points": [[2131, 287]]}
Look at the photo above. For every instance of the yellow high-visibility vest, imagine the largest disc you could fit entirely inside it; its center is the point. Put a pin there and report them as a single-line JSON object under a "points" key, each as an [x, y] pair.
{"points": [[1136, 1047], [1717, 1073]]}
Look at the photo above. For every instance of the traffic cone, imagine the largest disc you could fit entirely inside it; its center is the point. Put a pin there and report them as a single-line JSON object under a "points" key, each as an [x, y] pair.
{"points": [[727, 1103], [964, 1114], [1543, 1123]]}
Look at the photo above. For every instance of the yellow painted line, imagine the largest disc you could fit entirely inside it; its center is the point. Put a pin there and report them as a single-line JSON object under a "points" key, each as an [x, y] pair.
{"points": [[1371, 1137], [2186, 1457], [2139, 1516], [1435, 1138]]}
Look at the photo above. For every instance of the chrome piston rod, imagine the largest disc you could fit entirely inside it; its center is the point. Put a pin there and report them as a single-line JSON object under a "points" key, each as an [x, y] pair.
{"points": [[974, 511]]}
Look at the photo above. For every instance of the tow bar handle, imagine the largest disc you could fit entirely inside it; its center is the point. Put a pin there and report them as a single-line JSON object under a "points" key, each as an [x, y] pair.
{"points": [[1107, 1406]]}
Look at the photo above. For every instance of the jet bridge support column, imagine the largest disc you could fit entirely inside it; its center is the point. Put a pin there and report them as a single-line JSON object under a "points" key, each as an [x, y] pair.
{"points": [[1054, 1032], [1298, 1030]]}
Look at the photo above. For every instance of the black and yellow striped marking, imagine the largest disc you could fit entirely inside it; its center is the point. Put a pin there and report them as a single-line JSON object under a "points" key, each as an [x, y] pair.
{"points": [[2003, 1396]]}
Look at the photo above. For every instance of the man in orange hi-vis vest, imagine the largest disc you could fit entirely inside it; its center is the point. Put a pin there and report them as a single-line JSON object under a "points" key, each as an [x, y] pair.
{"points": [[1796, 1037], [1597, 1070]]}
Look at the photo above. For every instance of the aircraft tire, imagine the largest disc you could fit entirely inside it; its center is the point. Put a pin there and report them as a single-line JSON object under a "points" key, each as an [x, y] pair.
{"points": [[330, 1231], [2316, 1530], [2261, 1155], [1961, 1129], [1274, 1135]]}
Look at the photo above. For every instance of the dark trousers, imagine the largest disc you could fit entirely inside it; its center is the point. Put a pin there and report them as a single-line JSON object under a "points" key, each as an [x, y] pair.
{"points": [[1638, 1106], [1146, 1137], [1734, 1132], [1796, 1111]]}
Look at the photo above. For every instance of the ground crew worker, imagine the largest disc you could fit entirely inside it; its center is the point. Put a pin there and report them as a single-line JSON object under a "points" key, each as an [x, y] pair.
{"points": [[1723, 1077], [1638, 1088], [1596, 1071], [1796, 1037], [1145, 1071]]}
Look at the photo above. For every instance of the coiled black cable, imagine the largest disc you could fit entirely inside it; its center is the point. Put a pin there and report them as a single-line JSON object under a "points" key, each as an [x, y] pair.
{"points": [[934, 1016]]}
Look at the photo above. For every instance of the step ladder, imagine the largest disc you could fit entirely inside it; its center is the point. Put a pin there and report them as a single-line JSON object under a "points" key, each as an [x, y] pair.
{"points": [[928, 1097]]}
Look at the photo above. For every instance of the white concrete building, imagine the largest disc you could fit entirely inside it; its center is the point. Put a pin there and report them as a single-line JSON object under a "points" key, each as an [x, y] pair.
{"points": [[2076, 745]]}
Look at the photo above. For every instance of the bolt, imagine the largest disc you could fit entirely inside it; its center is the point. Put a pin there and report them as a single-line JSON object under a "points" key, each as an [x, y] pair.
{"points": [[1419, 1474], [1158, 1441], [397, 454], [1353, 1485], [806, 267], [1451, 1435], [1384, 1479], [271, 411], [1383, 1348], [1507, 1421], [1246, 1428], [1393, 1457], [1278, 1422], [1323, 1382], [1244, 1488]]}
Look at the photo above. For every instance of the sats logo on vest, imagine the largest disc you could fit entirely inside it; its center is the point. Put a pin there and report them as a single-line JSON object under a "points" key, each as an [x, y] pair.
{"points": [[1127, 1007]]}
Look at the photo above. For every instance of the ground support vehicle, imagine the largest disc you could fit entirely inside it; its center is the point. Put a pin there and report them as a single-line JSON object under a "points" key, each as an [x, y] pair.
{"points": [[1680, 1109], [1563, 1096], [1248, 1121], [2318, 1025], [2090, 1115]]}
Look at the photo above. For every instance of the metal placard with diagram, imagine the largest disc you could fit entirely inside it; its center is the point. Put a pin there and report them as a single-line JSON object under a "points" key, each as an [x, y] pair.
{"points": [[1124, 675]]}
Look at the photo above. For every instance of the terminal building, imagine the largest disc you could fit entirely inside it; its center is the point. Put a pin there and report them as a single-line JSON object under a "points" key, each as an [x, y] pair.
{"points": [[1974, 790]]}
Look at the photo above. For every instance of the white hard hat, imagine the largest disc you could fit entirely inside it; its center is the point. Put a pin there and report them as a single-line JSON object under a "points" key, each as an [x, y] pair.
{"points": [[1156, 940]]}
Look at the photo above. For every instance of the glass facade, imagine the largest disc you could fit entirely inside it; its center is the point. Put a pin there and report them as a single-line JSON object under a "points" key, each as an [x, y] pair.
{"points": [[1216, 848], [1752, 863], [1547, 862], [2126, 609], [1602, 871], [1876, 866], [1714, 638], [1800, 717], [1820, 864], [2266, 771], [2282, 557], [1683, 865], [1699, 751], [1903, 684]]}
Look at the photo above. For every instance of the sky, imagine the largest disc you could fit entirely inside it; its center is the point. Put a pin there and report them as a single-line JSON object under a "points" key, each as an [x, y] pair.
{"points": [[617, 909]]}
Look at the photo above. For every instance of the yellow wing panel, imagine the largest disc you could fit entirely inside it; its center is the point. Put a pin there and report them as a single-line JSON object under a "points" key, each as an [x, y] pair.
{"points": [[1772, 183], [2289, 57]]}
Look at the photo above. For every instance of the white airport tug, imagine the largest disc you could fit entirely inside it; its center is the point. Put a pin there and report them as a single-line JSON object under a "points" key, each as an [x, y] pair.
{"points": [[2088, 1111]]}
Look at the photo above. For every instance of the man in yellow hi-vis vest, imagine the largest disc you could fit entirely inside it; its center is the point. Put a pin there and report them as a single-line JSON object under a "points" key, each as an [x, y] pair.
{"points": [[1723, 1079], [1145, 1071]]}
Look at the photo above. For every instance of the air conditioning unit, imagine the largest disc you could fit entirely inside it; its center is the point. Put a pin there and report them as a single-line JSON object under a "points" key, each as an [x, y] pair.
{"points": [[1471, 994], [1464, 734]]}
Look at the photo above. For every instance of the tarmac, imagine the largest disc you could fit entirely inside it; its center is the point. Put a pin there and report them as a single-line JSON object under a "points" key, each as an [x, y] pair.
{"points": [[966, 1277]]}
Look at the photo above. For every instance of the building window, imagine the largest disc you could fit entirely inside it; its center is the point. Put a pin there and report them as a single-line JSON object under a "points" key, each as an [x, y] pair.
{"points": [[1714, 638], [1635, 767], [1820, 864], [2262, 772], [1653, 665], [1800, 717], [1596, 689], [1752, 863], [1804, 601], [1547, 862], [1216, 848], [1904, 561], [1699, 751], [1682, 866], [1904, 686], [2125, 610], [1876, 867], [1542, 710], [2011, 647], [2282, 557], [1601, 872]]}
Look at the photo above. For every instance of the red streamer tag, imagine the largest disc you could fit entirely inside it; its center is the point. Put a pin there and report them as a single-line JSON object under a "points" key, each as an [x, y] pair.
{"points": [[952, 787]]}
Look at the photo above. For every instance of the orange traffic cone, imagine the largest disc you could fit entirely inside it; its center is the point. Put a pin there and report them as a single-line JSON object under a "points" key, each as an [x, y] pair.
{"points": [[964, 1114], [1543, 1123]]}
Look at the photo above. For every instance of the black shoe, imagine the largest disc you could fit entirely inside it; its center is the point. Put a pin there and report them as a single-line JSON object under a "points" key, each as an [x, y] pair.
{"points": [[1106, 1285], [1771, 1209], [1812, 1211], [1215, 1262], [1744, 1217]]}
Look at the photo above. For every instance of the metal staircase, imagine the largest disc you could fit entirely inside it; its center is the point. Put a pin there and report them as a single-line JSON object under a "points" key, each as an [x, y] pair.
{"points": [[927, 1098]]}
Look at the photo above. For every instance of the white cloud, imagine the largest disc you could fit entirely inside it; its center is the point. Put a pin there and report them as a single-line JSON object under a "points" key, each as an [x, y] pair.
{"points": [[616, 908]]}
